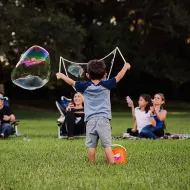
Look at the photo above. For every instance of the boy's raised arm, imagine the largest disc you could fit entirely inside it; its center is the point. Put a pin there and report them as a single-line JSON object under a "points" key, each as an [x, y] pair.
{"points": [[121, 74], [66, 79]]}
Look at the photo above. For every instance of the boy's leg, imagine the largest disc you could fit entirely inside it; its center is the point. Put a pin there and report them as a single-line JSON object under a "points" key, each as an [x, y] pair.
{"points": [[91, 154], [91, 139], [104, 132], [109, 155]]}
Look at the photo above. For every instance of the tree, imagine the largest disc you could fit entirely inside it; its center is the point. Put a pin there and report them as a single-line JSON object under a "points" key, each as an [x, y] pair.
{"points": [[24, 24]]}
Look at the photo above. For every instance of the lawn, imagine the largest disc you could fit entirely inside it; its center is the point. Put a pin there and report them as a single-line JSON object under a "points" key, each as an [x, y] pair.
{"points": [[45, 162]]}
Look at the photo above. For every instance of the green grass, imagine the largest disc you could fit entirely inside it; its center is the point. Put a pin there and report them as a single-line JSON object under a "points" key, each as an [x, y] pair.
{"points": [[46, 162]]}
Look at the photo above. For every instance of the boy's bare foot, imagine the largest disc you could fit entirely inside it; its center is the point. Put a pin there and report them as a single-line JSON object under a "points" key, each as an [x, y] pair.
{"points": [[109, 155]]}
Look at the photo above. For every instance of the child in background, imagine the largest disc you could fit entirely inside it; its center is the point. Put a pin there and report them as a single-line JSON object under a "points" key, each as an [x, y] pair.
{"points": [[141, 115]]}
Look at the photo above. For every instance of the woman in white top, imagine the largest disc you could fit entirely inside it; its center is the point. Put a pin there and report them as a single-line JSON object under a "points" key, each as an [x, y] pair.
{"points": [[142, 114]]}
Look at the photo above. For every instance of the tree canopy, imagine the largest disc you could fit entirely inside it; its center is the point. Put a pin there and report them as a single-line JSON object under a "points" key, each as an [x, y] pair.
{"points": [[153, 35]]}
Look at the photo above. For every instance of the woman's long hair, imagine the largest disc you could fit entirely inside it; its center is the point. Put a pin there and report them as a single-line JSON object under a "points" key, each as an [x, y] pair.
{"points": [[148, 99]]}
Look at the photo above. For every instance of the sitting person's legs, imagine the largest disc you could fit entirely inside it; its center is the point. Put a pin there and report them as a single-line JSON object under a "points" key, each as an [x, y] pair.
{"points": [[148, 132], [80, 127], [73, 127], [6, 129], [159, 132], [70, 123]]}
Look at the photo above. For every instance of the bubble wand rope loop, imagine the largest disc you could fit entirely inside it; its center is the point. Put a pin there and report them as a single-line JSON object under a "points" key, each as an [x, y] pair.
{"points": [[122, 55]]}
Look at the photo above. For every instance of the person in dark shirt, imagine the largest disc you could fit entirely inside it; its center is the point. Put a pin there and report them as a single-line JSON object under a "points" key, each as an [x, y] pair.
{"points": [[6, 116]]}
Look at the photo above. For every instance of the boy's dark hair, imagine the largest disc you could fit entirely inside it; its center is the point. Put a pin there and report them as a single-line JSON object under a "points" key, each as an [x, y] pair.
{"points": [[96, 69]]}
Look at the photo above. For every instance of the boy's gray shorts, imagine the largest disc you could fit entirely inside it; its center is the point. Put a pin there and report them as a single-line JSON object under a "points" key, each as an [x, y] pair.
{"points": [[98, 127]]}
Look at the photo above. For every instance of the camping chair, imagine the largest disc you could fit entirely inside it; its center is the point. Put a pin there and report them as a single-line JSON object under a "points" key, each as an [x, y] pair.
{"points": [[15, 123], [62, 109]]}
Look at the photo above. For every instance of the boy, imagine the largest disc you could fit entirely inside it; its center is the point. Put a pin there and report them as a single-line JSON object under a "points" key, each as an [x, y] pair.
{"points": [[97, 106]]}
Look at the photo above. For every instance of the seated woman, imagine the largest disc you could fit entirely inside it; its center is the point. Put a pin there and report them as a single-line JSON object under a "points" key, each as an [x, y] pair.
{"points": [[141, 115], [74, 118], [6, 116], [159, 115]]}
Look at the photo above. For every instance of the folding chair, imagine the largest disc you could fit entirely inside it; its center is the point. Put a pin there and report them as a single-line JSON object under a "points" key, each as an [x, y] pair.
{"points": [[62, 109], [15, 123]]}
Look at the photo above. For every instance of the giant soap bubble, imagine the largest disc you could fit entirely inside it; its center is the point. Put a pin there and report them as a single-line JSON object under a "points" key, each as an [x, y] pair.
{"points": [[76, 70], [33, 69]]}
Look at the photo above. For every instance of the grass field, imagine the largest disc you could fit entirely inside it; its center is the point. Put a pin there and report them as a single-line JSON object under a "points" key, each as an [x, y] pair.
{"points": [[46, 162]]}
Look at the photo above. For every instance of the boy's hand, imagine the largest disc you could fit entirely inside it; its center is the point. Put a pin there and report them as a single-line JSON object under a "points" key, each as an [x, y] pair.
{"points": [[121, 74], [65, 78], [128, 66], [59, 75]]}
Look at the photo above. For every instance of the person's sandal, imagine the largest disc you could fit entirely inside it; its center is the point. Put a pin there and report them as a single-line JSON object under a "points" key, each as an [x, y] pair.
{"points": [[70, 138]]}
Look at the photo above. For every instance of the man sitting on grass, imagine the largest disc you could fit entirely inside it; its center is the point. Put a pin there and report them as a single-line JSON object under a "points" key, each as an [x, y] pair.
{"points": [[6, 116]]}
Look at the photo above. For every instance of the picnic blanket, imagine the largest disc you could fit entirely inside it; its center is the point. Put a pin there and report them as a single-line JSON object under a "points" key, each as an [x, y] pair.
{"points": [[169, 136]]}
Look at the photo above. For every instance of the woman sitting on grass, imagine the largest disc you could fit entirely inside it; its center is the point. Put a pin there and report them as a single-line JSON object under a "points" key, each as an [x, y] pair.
{"points": [[157, 117], [141, 114], [74, 118]]}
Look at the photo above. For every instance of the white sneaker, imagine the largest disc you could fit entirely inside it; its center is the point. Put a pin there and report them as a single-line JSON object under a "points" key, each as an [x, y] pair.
{"points": [[61, 119], [77, 119], [126, 135]]}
